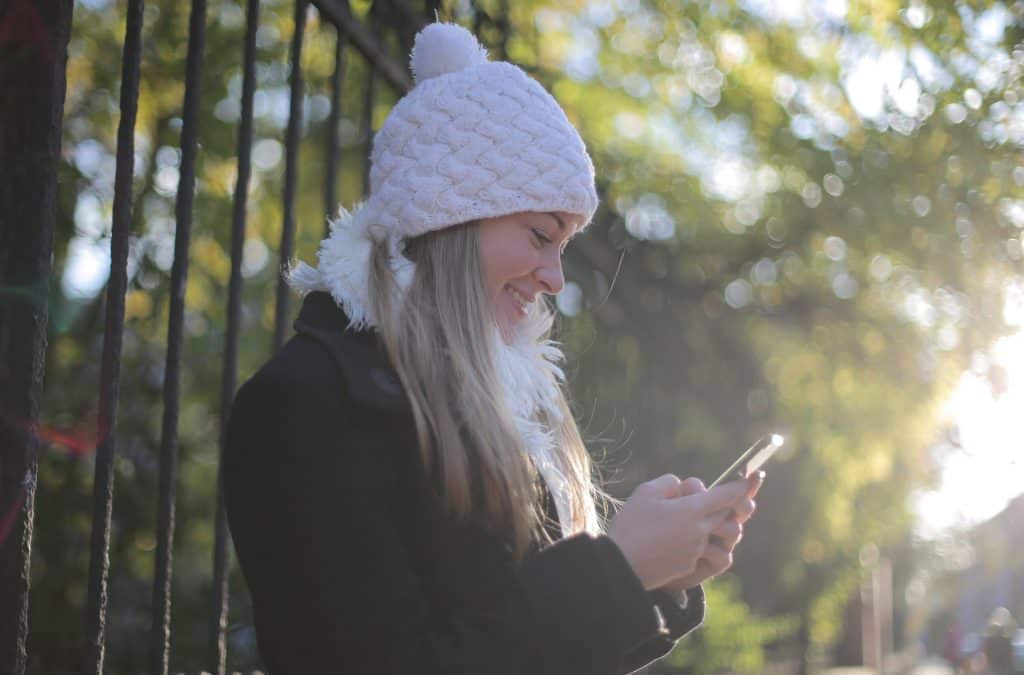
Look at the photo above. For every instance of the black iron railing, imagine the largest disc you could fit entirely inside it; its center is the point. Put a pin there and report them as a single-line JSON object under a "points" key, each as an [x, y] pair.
{"points": [[32, 241]]}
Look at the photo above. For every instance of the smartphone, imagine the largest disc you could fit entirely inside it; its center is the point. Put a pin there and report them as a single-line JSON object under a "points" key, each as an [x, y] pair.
{"points": [[751, 460]]}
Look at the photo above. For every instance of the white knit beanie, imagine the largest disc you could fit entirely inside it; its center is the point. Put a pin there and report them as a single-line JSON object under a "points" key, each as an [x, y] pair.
{"points": [[473, 139]]}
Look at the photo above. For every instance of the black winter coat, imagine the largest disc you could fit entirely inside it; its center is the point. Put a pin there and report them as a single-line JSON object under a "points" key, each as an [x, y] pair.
{"points": [[352, 569]]}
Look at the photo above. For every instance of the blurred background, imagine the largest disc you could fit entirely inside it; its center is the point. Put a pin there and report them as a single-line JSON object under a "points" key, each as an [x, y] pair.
{"points": [[811, 224]]}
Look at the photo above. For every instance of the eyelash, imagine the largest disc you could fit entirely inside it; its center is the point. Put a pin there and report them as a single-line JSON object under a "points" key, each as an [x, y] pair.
{"points": [[543, 239]]}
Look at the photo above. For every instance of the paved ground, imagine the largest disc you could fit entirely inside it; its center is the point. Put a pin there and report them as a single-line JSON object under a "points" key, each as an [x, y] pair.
{"points": [[926, 667], [932, 667]]}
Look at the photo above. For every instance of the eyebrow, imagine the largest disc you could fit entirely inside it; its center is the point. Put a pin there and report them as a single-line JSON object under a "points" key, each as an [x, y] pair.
{"points": [[561, 225]]}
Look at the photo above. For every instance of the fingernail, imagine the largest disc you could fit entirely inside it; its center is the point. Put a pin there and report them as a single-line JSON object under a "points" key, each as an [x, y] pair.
{"points": [[761, 475]]}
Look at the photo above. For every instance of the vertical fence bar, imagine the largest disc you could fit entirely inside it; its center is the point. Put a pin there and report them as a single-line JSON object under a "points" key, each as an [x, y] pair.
{"points": [[217, 655], [30, 135], [291, 149], [407, 21], [110, 373], [331, 177], [504, 29], [369, 95], [160, 631]]}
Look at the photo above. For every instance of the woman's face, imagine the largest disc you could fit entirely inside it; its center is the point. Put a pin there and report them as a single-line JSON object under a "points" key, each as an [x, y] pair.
{"points": [[521, 256]]}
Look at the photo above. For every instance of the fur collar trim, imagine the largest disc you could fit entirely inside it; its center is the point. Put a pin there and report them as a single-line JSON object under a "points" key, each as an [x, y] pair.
{"points": [[527, 366]]}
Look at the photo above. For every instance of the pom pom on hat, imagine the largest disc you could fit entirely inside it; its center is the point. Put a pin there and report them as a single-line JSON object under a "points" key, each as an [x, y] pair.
{"points": [[443, 48]]}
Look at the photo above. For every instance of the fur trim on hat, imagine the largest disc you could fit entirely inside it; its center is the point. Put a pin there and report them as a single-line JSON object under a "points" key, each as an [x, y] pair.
{"points": [[344, 269]]}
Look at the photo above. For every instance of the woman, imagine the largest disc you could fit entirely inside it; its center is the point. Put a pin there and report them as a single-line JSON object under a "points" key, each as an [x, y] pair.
{"points": [[405, 485]]}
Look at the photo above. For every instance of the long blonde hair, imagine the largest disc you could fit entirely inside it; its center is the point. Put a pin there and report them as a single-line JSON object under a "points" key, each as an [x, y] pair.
{"points": [[438, 336]]}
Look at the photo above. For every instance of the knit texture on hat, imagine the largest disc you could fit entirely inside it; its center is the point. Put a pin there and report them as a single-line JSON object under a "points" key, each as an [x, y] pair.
{"points": [[474, 139]]}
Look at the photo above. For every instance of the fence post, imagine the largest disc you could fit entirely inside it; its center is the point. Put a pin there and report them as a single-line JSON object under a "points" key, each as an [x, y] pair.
{"points": [[33, 57], [160, 631], [217, 652], [110, 367]]}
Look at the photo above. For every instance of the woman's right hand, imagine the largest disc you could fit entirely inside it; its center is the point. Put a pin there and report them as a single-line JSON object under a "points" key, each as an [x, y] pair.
{"points": [[664, 526]]}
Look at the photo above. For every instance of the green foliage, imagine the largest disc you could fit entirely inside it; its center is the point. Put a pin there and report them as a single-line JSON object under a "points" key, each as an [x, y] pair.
{"points": [[733, 638], [788, 263]]}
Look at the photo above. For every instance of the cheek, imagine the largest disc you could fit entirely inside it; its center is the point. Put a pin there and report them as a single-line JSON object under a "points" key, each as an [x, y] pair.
{"points": [[504, 258]]}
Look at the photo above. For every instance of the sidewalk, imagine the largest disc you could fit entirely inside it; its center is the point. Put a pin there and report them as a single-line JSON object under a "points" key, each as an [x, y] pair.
{"points": [[929, 666], [932, 667]]}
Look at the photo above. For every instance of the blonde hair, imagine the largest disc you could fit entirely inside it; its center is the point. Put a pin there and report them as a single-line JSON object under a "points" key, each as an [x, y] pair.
{"points": [[438, 337]]}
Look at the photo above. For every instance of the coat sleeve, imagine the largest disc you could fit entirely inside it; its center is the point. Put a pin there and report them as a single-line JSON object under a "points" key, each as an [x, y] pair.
{"points": [[333, 586], [679, 618]]}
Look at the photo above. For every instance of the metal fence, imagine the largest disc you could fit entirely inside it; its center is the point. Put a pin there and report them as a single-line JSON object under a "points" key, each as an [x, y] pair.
{"points": [[29, 157]]}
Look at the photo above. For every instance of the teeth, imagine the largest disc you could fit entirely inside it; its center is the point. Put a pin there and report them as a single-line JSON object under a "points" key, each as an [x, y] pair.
{"points": [[523, 302]]}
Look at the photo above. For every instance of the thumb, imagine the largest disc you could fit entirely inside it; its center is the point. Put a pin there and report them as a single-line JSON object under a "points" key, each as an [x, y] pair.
{"points": [[723, 497], [665, 486], [691, 486]]}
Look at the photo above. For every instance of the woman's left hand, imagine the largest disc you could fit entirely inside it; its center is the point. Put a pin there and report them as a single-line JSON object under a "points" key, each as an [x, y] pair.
{"points": [[717, 557]]}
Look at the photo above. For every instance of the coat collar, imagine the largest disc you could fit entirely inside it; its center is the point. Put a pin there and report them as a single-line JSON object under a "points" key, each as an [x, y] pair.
{"points": [[358, 353], [368, 374]]}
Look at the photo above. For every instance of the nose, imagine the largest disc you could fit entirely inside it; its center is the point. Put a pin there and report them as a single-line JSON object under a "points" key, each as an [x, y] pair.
{"points": [[549, 274]]}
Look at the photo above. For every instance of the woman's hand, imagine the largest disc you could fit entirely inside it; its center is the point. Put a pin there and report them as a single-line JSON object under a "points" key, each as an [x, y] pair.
{"points": [[717, 557], [664, 528]]}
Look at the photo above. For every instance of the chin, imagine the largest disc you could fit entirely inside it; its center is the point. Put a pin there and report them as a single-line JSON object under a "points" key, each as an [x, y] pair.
{"points": [[508, 326]]}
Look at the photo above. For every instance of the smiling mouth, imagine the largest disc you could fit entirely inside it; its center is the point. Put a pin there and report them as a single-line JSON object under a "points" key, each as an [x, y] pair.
{"points": [[521, 303]]}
